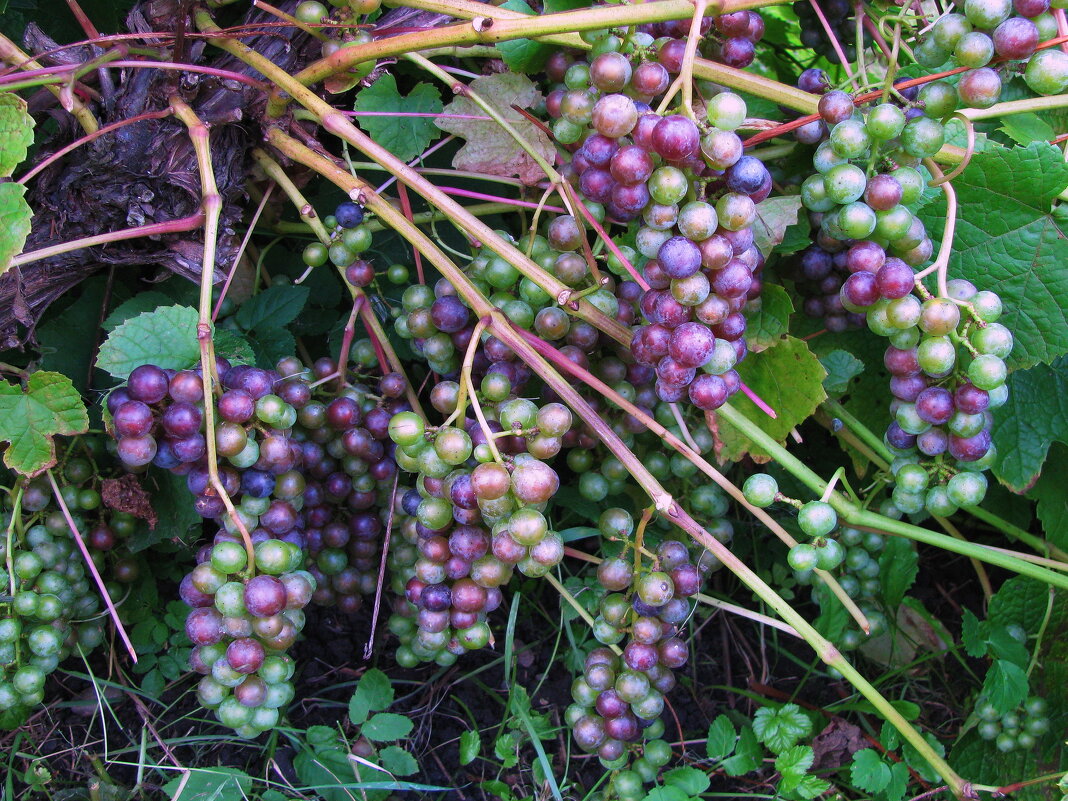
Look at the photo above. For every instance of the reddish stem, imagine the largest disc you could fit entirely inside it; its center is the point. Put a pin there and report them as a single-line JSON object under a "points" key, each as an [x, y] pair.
{"points": [[380, 353], [756, 399], [406, 207], [526, 204], [577, 203]]}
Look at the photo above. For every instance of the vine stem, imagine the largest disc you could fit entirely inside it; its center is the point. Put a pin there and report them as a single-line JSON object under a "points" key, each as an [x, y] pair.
{"points": [[211, 203], [339, 125], [190, 223], [940, 266], [11, 54], [684, 80], [16, 509], [834, 43], [112, 611], [855, 515], [573, 601], [661, 498], [708, 600], [241, 250]]}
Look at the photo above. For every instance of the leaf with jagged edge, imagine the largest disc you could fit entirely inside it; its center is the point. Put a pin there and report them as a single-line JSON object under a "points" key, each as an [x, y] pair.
{"points": [[16, 132], [31, 418]]}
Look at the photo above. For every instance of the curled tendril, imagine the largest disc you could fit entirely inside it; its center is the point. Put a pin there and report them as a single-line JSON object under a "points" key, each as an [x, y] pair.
{"points": [[969, 151]]}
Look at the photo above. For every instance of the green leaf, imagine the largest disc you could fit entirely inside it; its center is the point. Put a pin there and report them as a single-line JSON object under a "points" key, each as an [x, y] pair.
{"points": [[768, 318], [175, 516], [271, 344], [1027, 128], [842, 367], [833, 617], [506, 749], [809, 786], [275, 307], [747, 754], [1004, 646], [1052, 506], [470, 746], [68, 354], [868, 771], [774, 216], [972, 635], [666, 793], [373, 693], [898, 566], [1035, 416], [139, 303], [780, 728], [1021, 601], [166, 337], [721, 738], [387, 726], [30, 418], [16, 132], [326, 770], [793, 763], [490, 149], [899, 782], [15, 216], [233, 347], [1005, 685], [690, 780], [209, 784], [1007, 239], [398, 761], [788, 378], [405, 137]]}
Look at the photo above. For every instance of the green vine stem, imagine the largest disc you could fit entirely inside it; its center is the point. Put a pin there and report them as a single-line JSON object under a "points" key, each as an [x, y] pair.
{"points": [[573, 602], [855, 515], [338, 124], [1009, 107], [211, 204], [865, 435], [16, 509]]}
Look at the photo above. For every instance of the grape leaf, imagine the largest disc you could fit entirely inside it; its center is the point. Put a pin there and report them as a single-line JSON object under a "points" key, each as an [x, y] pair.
{"points": [[30, 418], [1007, 240], [71, 355], [868, 771], [773, 217], [470, 746], [1027, 128], [166, 337], [898, 566], [16, 132], [373, 693], [842, 367], [210, 784], [398, 761], [1005, 685], [1035, 416], [1021, 601], [721, 738], [15, 216], [139, 303], [233, 347], [405, 137], [973, 635], [788, 378], [767, 317], [1052, 507], [666, 793], [489, 148], [274, 307], [386, 726]]}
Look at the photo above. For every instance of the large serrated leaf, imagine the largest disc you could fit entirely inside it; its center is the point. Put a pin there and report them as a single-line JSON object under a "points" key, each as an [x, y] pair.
{"points": [[16, 132], [787, 377], [1008, 241], [30, 418], [275, 307], [404, 136], [15, 216], [768, 318], [166, 337]]}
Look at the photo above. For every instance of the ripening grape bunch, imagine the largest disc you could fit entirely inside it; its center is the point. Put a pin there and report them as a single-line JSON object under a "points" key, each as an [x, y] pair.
{"points": [[54, 609], [986, 36]]}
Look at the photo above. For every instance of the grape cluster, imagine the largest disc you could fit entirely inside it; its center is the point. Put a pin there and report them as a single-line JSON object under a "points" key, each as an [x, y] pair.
{"points": [[53, 608], [619, 697], [1018, 728], [728, 38], [473, 517], [996, 29], [841, 20]]}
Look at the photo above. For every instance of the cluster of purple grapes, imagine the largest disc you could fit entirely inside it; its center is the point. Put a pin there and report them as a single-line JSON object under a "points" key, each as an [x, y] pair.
{"points": [[1009, 30], [618, 698], [55, 608], [473, 519], [840, 18], [728, 38], [306, 478]]}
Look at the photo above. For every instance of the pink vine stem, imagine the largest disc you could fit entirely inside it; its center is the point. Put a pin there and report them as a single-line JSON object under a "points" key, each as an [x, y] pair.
{"points": [[1062, 26], [241, 250], [432, 149], [756, 399], [92, 567], [577, 203], [834, 42], [526, 204]]}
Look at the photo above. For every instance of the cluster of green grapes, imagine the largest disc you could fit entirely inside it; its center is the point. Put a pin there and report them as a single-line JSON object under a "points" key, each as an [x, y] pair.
{"points": [[50, 607], [1017, 728]]}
